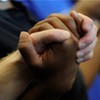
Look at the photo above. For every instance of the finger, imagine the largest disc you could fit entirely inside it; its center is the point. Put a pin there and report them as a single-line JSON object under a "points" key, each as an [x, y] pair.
{"points": [[78, 21], [87, 50], [88, 38], [43, 26], [56, 23], [85, 58], [27, 49], [68, 21], [40, 22], [49, 36], [87, 23]]}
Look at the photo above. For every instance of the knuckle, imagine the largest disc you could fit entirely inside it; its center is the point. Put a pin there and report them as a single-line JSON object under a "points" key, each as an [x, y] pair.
{"points": [[89, 40], [52, 19], [50, 34], [52, 15], [40, 22], [43, 26], [69, 19], [34, 29], [89, 56], [89, 49]]}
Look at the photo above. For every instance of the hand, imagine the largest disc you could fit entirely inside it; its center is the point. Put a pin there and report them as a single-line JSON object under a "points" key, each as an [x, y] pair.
{"points": [[88, 41], [52, 54], [56, 21], [79, 25]]}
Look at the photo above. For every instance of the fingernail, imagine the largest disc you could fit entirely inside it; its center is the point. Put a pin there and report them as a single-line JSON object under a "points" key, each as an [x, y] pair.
{"points": [[24, 35], [80, 60], [75, 13], [80, 54], [82, 45]]}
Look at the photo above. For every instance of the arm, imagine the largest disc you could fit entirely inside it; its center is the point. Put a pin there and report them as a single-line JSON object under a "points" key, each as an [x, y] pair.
{"points": [[79, 25], [14, 76], [84, 24], [55, 74], [93, 66]]}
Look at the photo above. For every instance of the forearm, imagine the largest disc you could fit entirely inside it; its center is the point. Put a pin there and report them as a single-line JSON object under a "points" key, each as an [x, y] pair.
{"points": [[78, 91], [51, 89], [56, 72], [14, 76]]}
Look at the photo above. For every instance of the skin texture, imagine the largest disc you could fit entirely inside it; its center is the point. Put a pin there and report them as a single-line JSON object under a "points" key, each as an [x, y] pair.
{"points": [[17, 80], [92, 66], [42, 52], [47, 50], [15, 76], [55, 74], [85, 30], [48, 56]]}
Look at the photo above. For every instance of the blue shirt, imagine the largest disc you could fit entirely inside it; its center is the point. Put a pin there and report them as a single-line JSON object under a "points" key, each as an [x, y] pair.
{"points": [[42, 8]]}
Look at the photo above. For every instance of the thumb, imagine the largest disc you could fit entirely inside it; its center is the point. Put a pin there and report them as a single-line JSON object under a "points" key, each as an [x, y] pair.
{"points": [[27, 49], [78, 21], [50, 36]]}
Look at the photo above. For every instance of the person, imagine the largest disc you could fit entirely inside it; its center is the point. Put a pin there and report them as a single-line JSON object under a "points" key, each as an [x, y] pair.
{"points": [[93, 78], [74, 95], [94, 74], [37, 7], [18, 76], [17, 23], [11, 21], [27, 50], [88, 9], [44, 53]]}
